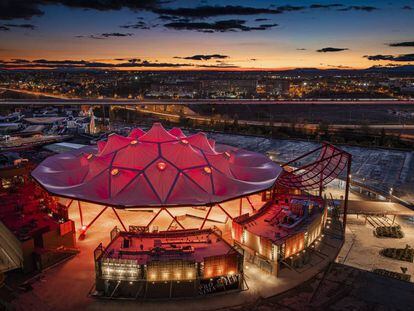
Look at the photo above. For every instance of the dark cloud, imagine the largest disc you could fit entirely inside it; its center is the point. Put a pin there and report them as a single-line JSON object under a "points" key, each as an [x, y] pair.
{"points": [[391, 65], [406, 43], [12, 9], [96, 37], [264, 26], [337, 66], [290, 8], [168, 17], [106, 35], [204, 57], [137, 25], [174, 18], [209, 11], [359, 8], [131, 60], [105, 5], [261, 19], [54, 62], [407, 7], [4, 28], [219, 26], [24, 26], [20, 61], [82, 64], [221, 65], [116, 34], [393, 58], [325, 6], [301, 49], [331, 49]]}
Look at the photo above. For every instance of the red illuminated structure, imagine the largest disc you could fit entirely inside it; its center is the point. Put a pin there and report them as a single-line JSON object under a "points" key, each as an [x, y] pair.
{"points": [[166, 169], [329, 164], [34, 234], [157, 168]]}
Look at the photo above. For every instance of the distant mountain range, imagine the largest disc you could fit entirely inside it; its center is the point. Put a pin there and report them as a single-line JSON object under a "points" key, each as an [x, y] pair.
{"points": [[403, 70]]}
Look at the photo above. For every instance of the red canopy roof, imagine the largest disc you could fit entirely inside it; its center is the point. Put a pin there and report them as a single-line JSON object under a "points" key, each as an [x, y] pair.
{"points": [[157, 168]]}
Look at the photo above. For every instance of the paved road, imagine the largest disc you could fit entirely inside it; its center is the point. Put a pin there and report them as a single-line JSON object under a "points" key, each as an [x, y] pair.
{"points": [[307, 126], [61, 99]]}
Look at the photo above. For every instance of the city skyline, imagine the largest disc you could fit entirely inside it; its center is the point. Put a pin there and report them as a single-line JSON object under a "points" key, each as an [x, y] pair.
{"points": [[186, 35]]}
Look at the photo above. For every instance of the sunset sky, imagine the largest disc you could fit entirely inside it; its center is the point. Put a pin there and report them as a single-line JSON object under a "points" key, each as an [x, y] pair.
{"points": [[205, 34]]}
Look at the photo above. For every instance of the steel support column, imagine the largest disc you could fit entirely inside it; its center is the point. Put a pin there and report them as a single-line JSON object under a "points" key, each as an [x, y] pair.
{"points": [[70, 203], [153, 218], [240, 206], [348, 181], [251, 204], [175, 218], [93, 220], [119, 218], [321, 184], [80, 213], [205, 219], [225, 212]]}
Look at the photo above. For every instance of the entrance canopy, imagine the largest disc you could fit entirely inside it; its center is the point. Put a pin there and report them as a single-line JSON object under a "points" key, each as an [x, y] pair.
{"points": [[157, 168]]}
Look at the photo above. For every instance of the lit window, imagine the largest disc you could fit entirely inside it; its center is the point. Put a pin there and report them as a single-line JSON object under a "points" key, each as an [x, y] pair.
{"points": [[161, 166]]}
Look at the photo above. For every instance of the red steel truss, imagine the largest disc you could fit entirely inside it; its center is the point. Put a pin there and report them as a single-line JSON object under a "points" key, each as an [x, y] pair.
{"points": [[84, 228], [329, 164]]}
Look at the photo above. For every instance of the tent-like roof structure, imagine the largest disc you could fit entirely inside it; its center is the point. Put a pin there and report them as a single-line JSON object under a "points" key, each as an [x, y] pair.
{"points": [[157, 168]]}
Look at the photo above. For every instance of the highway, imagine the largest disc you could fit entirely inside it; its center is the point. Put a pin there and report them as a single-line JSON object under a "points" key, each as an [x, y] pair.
{"points": [[63, 100], [307, 126], [136, 105], [54, 96]]}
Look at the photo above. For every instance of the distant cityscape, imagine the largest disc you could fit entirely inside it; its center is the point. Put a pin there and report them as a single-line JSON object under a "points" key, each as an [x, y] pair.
{"points": [[286, 85]]}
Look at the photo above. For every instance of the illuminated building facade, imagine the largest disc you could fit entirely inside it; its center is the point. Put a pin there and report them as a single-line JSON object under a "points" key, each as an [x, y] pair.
{"points": [[167, 264]]}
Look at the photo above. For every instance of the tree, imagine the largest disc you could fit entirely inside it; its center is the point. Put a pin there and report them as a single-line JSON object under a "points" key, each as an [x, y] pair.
{"points": [[235, 121], [383, 136], [323, 129]]}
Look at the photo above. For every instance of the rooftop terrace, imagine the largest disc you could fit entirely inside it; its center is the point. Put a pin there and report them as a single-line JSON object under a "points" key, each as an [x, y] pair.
{"points": [[192, 245]]}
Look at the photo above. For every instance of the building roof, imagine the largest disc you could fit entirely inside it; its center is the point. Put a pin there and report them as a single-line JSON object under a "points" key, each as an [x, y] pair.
{"points": [[181, 244], [44, 120], [157, 168], [63, 147], [268, 222], [33, 129]]}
